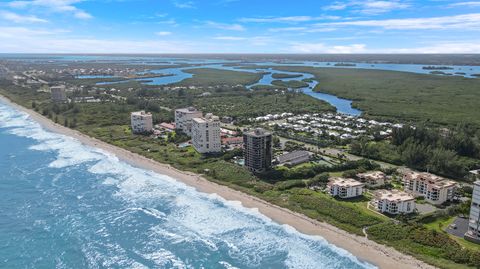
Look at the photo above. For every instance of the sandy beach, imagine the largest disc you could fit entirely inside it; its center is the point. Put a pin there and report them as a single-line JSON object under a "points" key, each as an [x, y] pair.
{"points": [[363, 248]]}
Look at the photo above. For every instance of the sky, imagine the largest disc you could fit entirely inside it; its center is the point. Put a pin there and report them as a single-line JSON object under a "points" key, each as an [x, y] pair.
{"points": [[239, 26]]}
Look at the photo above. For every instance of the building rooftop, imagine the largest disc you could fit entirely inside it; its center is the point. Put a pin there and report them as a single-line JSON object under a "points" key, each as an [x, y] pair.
{"points": [[475, 172], [393, 195], [258, 132], [167, 125], [374, 175], [431, 179], [293, 155], [232, 140], [209, 117], [344, 182], [141, 113], [188, 110]]}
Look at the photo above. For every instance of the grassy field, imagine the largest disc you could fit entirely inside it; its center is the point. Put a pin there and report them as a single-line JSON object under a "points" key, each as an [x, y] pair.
{"points": [[441, 224], [214, 77], [290, 84], [283, 75], [401, 95]]}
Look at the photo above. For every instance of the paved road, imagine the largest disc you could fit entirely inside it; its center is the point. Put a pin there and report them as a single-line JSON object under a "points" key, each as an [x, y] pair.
{"points": [[462, 227]]}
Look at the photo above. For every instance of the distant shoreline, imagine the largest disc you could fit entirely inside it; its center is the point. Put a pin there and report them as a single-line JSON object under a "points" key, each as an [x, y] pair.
{"points": [[364, 249]]}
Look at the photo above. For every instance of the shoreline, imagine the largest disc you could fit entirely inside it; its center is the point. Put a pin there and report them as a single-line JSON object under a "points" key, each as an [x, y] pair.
{"points": [[361, 247]]}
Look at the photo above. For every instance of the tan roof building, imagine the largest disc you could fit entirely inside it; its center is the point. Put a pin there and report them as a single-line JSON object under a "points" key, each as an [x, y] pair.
{"points": [[393, 202], [372, 179], [436, 190], [344, 187]]}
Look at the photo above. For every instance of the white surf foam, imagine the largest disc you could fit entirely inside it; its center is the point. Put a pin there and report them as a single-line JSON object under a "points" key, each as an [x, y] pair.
{"points": [[205, 218]]}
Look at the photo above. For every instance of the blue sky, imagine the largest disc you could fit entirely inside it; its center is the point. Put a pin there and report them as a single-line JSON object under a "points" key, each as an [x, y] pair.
{"points": [[240, 26]]}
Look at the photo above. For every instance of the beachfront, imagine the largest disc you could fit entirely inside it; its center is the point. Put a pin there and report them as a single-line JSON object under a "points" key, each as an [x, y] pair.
{"points": [[361, 247]]}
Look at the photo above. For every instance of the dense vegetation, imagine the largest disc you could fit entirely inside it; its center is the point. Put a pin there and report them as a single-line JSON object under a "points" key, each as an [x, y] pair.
{"points": [[235, 102], [214, 77], [290, 84], [256, 104], [285, 187], [418, 241], [283, 75], [451, 153], [402, 95]]}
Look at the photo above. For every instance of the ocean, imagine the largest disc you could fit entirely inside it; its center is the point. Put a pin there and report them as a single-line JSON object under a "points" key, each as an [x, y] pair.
{"points": [[67, 205]]}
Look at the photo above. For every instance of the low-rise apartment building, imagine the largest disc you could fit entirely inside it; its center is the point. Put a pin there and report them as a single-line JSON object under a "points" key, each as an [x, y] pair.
{"points": [[141, 122], [345, 187], [372, 179], [293, 158], [206, 134], [474, 174], [393, 202], [436, 190], [183, 119], [473, 232]]}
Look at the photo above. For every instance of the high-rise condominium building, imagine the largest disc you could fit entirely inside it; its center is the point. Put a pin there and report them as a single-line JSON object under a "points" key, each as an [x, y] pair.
{"points": [[258, 150]]}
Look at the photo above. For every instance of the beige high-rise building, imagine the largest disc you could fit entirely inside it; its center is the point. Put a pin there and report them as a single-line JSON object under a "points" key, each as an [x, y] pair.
{"points": [[206, 134], [183, 119], [141, 122]]}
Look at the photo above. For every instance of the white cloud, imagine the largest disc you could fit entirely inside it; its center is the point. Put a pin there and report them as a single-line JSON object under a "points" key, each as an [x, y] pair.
{"points": [[172, 22], [16, 18], [13, 33], [287, 29], [464, 22], [60, 6], [184, 4], [336, 6], [466, 4], [289, 19], [163, 33], [302, 29], [371, 7], [377, 7], [43, 41], [251, 40], [225, 26], [322, 48], [229, 38], [440, 47], [80, 14]]}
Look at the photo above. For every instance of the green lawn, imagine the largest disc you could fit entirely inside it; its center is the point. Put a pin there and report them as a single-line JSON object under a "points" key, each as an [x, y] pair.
{"points": [[214, 77], [283, 75], [290, 84], [442, 223]]}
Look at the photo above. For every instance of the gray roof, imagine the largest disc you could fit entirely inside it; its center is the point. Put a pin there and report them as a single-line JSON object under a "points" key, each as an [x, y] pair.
{"points": [[258, 132], [293, 155]]}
